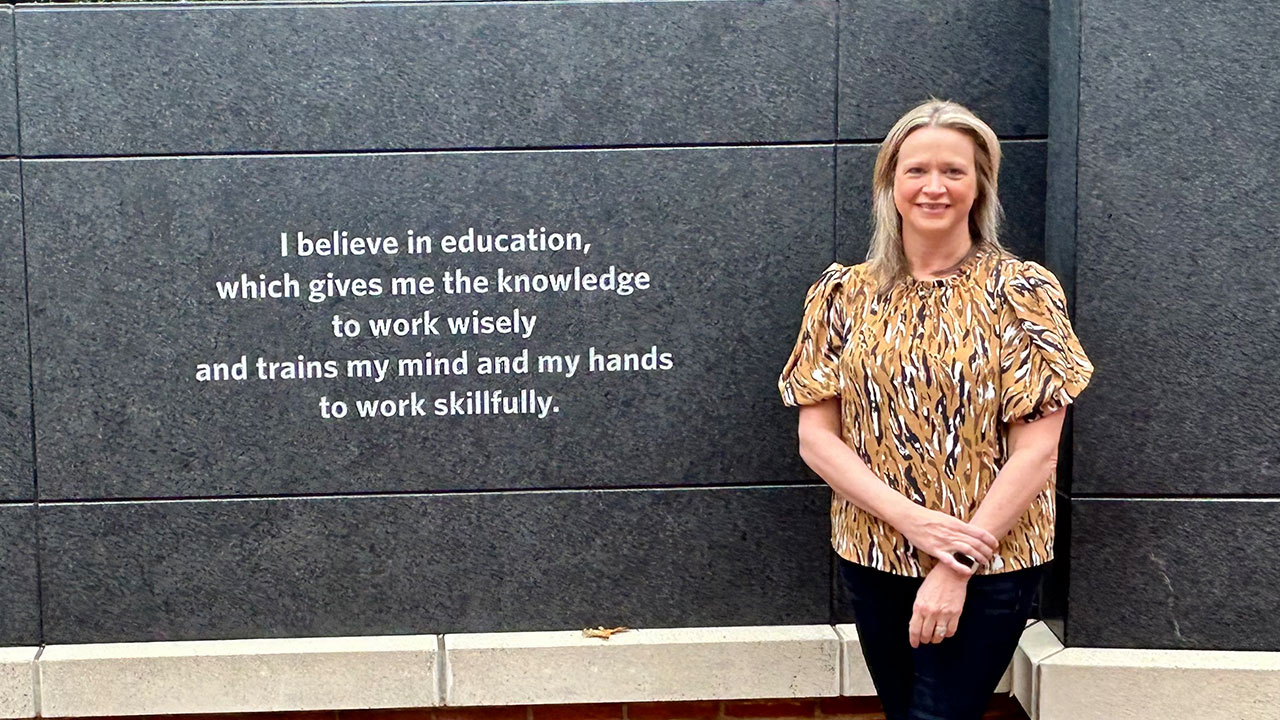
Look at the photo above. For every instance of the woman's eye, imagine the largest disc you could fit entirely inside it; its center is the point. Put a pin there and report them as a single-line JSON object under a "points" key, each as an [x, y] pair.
{"points": [[955, 172]]}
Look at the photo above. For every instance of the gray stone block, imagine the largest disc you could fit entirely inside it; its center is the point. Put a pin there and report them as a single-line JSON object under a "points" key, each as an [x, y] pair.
{"points": [[465, 562], [1178, 271], [124, 308], [20, 609], [653, 664], [136, 80], [1192, 574], [1064, 116], [1080, 683], [1022, 193], [223, 677], [1051, 605], [17, 682], [988, 55], [8, 92], [1022, 178], [16, 464]]}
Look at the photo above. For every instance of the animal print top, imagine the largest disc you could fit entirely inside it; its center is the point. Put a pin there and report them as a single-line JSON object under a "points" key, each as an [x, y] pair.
{"points": [[929, 379]]}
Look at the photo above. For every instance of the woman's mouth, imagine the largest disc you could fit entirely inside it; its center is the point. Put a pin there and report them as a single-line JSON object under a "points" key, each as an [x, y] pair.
{"points": [[933, 207]]}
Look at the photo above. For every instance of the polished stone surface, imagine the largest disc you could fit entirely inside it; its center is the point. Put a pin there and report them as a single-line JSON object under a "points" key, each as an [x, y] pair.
{"points": [[1177, 280], [19, 609], [1190, 574], [135, 80], [124, 308], [1051, 604], [8, 91], [988, 55], [17, 481], [1064, 116], [1022, 179], [464, 562]]}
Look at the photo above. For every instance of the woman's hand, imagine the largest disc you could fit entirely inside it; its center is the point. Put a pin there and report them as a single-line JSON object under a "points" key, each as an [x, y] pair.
{"points": [[938, 604], [940, 535]]}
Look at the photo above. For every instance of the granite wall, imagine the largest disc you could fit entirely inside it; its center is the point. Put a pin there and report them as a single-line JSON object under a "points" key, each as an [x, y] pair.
{"points": [[1162, 153], [181, 461]]}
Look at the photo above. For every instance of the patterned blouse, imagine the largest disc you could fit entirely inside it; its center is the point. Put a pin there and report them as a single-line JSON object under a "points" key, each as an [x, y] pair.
{"points": [[929, 379]]}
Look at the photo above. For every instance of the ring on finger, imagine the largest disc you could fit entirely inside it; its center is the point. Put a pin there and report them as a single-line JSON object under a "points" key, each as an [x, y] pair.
{"points": [[940, 630]]}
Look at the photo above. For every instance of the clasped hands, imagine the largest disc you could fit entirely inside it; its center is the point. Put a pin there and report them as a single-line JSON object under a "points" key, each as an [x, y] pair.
{"points": [[936, 612]]}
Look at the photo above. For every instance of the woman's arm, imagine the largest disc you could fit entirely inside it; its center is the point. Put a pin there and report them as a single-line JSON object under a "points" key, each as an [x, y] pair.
{"points": [[1033, 455], [936, 533]]}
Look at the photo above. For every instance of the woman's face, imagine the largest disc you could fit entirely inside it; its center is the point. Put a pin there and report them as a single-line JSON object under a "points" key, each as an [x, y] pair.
{"points": [[935, 182]]}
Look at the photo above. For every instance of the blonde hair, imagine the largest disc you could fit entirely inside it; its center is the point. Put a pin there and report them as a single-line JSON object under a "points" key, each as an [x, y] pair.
{"points": [[886, 258]]}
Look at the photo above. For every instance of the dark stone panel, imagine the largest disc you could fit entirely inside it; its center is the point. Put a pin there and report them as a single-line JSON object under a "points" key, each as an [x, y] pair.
{"points": [[8, 92], [1178, 270], [20, 608], [466, 562], [1064, 112], [988, 55], [854, 164], [124, 307], [1022, 178], [131, 80], [1060, 206], [17, 481], [1194, 574], [1051, 606]]}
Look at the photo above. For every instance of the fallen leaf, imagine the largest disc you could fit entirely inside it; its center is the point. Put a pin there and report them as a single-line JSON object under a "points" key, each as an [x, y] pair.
{"points": [[602, 631]]}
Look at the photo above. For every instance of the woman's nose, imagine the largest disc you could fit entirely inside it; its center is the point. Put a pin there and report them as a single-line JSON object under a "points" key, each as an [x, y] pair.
{"points": [[934, 184]]}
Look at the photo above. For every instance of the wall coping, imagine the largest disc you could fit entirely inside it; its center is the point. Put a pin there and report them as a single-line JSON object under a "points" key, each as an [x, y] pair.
{"points": [[18, 682], [669, 664], [645, 665], [1053, 682]]}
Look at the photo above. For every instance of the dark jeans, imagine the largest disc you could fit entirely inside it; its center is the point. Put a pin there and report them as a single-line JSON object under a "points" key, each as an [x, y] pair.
{"points": [[950, 680]]}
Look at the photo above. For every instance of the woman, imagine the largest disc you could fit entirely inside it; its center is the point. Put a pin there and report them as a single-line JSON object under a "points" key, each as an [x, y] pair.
{"points": [[933, 380]]}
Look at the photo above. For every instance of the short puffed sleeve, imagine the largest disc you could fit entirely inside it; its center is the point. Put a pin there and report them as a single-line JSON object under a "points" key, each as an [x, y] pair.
{"points": [[1042, 365], [811, 374]]}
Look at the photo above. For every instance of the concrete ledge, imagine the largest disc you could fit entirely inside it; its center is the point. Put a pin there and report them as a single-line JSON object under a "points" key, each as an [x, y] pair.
{"points": [[1006, 681], [17, 682], [645, 665], [855, 679], [1104, 684], [225, 676], [528, 668], [1038, 642]]}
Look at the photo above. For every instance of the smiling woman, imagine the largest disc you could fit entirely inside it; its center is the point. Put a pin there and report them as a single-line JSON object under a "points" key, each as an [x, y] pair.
{"points": [[933, 378]]}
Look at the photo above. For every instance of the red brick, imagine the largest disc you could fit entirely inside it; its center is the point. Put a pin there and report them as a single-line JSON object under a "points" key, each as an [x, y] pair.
{"points": [[283, 715], [770, 708], [674, 711], [1004, 707], [585, 711], [850, 705], [406, 714], [497, 712]]}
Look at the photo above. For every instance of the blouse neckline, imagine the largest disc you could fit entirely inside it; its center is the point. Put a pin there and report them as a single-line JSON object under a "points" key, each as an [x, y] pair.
{"points": [[962, 272]]}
